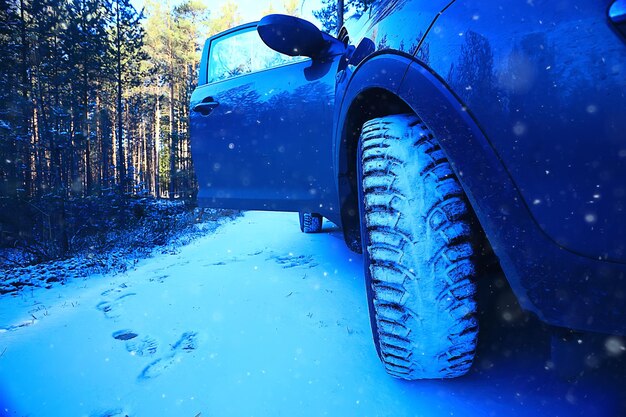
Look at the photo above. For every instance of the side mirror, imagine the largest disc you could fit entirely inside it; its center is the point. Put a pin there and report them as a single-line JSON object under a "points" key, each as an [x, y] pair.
{"points": [[291, 36], [617, 14], [617, 11]]}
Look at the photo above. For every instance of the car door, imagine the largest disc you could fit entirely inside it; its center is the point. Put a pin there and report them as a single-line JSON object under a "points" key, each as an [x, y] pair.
{"points": [[261, 126]]}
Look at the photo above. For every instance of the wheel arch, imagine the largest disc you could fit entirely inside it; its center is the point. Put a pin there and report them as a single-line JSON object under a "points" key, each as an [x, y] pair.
{"points": [[492, 195], [372, 92]]}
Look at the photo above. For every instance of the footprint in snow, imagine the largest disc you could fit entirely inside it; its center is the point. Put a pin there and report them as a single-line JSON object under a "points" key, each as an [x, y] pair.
{"points": [[224, 262], [114, 290], [115, 412], [110, 308], [291, 261], [159, 279], [124, 335], [186, 343], [144, 346], [18, 326]]}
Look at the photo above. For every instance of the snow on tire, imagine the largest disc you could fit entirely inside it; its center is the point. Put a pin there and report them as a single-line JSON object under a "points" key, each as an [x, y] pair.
{"points": [[310, 222], [418, 251]]}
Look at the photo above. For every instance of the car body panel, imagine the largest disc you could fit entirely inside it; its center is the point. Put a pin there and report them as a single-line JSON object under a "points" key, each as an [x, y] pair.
{"points": [[546, 81], [395, 24]]}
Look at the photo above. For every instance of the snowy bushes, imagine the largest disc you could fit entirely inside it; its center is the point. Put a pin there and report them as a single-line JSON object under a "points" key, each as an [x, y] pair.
{"points": [[83, 236]]}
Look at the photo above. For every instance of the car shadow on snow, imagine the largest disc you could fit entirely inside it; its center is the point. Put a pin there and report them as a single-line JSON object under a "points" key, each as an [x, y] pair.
{"points": [[514, 363]]}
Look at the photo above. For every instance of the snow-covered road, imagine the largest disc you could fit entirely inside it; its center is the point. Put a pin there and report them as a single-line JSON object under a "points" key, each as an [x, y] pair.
{"points": [[256, 319]]}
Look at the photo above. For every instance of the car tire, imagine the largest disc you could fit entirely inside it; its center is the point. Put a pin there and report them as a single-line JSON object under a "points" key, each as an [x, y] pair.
{"points": [[418, 251], [310, 222]]}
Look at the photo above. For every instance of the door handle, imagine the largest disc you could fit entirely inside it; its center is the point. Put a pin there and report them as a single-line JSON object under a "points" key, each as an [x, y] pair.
{"points": [[205, 108]]}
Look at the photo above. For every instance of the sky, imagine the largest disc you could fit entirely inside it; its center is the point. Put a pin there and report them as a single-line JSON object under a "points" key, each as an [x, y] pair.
{"points": [[252, 10]]}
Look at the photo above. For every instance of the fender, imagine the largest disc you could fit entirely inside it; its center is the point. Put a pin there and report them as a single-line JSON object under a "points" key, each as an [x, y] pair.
{"points": [[367, 92], [384, 70], [557, 285]]}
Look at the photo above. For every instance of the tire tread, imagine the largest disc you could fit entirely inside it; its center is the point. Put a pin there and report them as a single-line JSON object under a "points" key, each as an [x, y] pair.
{"points": [[404, 166]]}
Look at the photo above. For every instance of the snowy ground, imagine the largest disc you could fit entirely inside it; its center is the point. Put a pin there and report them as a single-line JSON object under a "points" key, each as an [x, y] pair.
{"points": [[255, 319]]}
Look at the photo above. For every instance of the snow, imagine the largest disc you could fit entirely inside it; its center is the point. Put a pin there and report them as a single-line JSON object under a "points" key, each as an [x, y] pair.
{"points": [[254, 319]]}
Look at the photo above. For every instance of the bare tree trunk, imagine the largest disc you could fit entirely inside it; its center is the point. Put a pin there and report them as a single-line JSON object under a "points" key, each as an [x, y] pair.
{"points": [[144, 155], [173, 145], [72, 157], [86, 133], [104, 149], [157, 145], [115, 153], [24, 150], [88, 179], [339, 15], [130, 173], [120, 142], [40, 154]]}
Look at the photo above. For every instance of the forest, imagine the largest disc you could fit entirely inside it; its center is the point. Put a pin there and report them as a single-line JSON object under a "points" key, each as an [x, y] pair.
{"points": [[94, 98], [94, 114]]}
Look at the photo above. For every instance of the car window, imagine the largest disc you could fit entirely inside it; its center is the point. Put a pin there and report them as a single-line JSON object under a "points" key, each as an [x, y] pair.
{"points": [[240, 53]]}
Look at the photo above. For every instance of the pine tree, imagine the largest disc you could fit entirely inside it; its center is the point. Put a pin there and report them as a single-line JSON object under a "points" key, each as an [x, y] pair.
{"points": [[327, 15], [172, 45], [86, 40], [228, 17], [126, 35]]}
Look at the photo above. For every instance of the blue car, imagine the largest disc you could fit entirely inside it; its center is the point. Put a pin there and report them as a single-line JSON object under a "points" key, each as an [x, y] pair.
{"points": [[422, 128]]}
